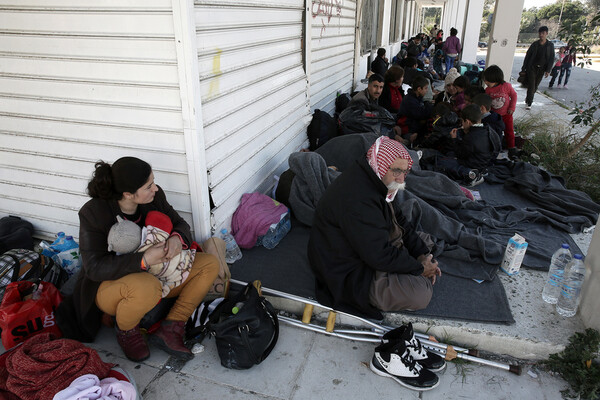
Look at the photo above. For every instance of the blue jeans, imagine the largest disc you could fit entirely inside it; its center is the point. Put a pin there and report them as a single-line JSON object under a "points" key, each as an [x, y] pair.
{"points": [[565, 69], [449, 63]]}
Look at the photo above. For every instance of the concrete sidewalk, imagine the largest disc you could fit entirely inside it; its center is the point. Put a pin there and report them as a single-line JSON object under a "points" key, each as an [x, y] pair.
{"points": [[308, 365]]}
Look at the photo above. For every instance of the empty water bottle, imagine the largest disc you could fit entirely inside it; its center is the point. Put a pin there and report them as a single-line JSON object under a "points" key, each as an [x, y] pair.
{"points": [[276, 232], [560, 259], [571, 288], [233, 252]]}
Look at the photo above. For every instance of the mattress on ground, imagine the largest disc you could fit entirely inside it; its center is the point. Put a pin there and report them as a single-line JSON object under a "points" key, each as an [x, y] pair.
{"points": [[286, 268]]}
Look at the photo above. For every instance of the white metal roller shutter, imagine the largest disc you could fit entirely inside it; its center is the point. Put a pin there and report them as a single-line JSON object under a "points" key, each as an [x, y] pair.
{"points": [[254, 94], [80, 81], [332, 51]]}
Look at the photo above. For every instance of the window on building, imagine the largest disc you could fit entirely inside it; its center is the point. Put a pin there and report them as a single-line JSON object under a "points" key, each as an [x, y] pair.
{"points": [[369, 25], [396, 21]]}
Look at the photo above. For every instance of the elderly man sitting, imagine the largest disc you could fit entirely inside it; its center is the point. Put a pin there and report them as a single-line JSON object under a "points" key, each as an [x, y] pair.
{"points": [[364, 253]]}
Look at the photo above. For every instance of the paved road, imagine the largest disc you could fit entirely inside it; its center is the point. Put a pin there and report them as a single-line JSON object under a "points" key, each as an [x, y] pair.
{"points": [[580, 82]]}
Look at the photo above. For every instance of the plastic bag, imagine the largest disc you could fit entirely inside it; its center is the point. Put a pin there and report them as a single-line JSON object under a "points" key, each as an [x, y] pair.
{"points": [[27, 309]]}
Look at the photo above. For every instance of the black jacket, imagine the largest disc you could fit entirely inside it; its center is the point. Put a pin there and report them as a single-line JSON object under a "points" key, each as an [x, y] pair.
{"points": [[478, 148], [349, 241], [531, 56], [78, 317], [415, 113], [494, 121], [379, 66]]}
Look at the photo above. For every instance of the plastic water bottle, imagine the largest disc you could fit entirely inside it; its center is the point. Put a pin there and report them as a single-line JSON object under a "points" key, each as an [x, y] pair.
{"points": [[68, 256], [276, 232], [60, 239], [571, 288], [49, 250], [560, 259], [233, 252]]}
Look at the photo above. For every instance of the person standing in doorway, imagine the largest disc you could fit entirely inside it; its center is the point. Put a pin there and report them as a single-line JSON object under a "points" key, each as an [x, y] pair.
{"points": [[433, 31], [568, 61], [452, 48], [538, 63], [380, 64]]}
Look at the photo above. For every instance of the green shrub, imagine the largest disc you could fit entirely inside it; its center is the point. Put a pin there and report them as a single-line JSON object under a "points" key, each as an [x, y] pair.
{"points": [[552, 143]]}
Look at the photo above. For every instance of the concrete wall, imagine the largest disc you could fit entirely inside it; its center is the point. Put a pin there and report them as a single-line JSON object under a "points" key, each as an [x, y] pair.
{"points": [[590, 301]]}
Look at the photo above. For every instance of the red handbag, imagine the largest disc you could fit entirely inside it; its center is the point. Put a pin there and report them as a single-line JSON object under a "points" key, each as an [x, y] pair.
{"points": [[27, 309]]}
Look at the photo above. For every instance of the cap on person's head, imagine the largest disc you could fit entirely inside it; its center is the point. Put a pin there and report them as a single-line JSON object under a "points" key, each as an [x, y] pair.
{"points": [[543, 29], [381, 52], [129, 174], [376, 77], [384, 152], [451, 76]]}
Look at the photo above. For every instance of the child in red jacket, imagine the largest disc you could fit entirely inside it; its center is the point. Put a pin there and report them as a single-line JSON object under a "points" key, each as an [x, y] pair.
{"points": [[504, 101]]}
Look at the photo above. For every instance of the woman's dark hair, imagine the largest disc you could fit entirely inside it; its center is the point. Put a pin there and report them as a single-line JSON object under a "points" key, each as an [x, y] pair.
{"points": [[493, 74], [453, 31], [461, 82], [393, 74], [127, 174]]}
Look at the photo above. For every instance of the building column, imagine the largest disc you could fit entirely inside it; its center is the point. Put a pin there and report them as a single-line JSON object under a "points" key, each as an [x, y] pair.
{"points": [[471, 28], [504, 34], [590, 301]]}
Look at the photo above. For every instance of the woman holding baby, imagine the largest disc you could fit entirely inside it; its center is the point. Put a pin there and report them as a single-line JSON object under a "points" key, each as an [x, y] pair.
{"points": [[121, 285]]}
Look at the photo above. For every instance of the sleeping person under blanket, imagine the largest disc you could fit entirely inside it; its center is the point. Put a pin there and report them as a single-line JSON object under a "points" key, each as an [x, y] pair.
{"points": [[126, 237]]}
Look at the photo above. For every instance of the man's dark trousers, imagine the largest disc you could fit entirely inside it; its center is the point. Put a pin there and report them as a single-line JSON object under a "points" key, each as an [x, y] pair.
{"points": [[534, 77]]}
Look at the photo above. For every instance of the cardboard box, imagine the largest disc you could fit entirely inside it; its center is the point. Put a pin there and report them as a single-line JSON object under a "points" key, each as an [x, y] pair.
{"points": [[513, 256]]}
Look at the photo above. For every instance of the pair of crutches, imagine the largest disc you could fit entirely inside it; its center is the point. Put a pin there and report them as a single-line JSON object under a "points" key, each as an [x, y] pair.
{"points": [[375, 333]]}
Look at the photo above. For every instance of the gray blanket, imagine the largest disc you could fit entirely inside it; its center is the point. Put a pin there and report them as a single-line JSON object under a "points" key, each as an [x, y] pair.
{"points": [[311, 180], [470, 236]]}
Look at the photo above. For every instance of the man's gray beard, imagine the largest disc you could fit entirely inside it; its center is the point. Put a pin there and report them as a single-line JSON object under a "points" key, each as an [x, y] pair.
{"points": [[393, 186]]}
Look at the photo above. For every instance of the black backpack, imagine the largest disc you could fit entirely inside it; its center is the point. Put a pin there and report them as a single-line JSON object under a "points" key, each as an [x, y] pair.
{"points": [[341, 102], [15, 233], [322, 128]]}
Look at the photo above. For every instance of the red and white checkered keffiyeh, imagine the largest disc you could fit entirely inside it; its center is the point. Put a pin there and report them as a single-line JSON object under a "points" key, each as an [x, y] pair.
{"points": [[384, 152]]}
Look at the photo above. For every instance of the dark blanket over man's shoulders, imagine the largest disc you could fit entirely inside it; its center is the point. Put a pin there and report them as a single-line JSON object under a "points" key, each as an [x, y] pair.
{"points": [[350, 239]]}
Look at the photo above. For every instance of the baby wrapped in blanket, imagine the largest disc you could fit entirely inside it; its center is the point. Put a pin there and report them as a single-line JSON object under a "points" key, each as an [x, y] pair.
{"points": [[126, 237]]}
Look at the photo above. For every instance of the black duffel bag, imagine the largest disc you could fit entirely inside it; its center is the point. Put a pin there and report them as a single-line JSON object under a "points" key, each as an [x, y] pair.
{"points": [[246, 328]]}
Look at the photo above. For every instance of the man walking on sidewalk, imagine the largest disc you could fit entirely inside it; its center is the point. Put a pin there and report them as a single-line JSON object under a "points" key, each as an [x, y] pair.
{"points": [[538, 63]]}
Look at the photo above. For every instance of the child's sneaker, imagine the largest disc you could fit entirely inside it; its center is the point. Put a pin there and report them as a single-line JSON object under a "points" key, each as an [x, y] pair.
{"points": [[393, 360], [558, 86], [475, 178], [565, 86], [405, 333]]}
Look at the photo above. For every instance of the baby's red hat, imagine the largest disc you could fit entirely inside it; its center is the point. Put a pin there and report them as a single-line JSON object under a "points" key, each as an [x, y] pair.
{"points": [[159, 220]]}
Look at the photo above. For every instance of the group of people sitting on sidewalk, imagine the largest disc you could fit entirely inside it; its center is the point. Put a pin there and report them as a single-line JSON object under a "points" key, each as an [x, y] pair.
{"points": [[452, 127]]}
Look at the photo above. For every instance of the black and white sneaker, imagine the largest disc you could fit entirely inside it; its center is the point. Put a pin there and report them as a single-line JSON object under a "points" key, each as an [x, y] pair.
{"points": [[393, 360], [475, 178], [427, 359]]}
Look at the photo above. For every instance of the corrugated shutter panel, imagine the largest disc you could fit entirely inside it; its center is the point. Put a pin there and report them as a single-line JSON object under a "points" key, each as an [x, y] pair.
{"points": [[254, 94], [332, 52], [82, 81]]}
